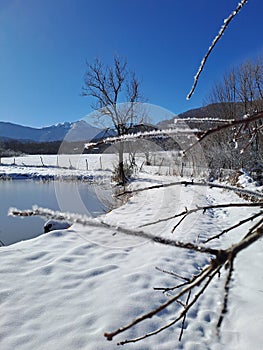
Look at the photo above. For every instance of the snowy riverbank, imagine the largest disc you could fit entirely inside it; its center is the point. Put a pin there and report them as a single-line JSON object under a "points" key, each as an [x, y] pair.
{"points": [[63, 290]]}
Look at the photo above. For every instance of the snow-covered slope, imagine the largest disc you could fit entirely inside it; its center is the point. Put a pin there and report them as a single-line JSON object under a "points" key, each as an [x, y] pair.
{"points": [[78, 131], [63, 290]]}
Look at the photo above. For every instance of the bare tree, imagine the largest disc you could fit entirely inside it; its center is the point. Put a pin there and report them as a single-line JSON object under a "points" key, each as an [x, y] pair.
{"points": [[223, 97], [116, 93], [238, 94]]}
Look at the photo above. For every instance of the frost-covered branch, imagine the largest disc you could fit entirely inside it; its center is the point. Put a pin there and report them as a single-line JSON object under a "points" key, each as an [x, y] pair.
{"points": [[252, 194], [142, 135], [86, 221], [56, 215], [243, 122], [216, 39], [254, 227], [226, 293], [191, 285], [182, 314], [187, 212], [200, 282], [240, 223], [206, 119]]}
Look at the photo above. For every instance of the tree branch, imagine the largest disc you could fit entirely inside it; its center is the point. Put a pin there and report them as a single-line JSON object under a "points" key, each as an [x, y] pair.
{"points": [[207, 275], [192, 183], [163, 306], [204, 209], [235, 226], [201, 136], [226, 295], [216, 39]]}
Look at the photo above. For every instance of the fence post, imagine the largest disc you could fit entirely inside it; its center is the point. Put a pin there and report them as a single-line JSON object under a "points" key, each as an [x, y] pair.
{"points": [[159, 171], [42, 161], [182, 170]]}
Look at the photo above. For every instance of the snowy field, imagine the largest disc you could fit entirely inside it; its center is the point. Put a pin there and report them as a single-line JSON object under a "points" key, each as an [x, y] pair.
{"points": [[64, 289]]}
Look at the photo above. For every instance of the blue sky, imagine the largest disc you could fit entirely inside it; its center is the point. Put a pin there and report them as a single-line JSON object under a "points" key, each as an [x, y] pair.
{"points": [[45, 44]]}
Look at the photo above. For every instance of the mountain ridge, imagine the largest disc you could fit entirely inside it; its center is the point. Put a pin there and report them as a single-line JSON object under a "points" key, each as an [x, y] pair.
{"points": [[75, 131], [83, 131]]}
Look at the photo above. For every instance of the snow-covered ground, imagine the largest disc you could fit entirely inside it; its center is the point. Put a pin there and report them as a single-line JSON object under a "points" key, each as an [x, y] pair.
{"points": [[63, 290], [56, 167]]}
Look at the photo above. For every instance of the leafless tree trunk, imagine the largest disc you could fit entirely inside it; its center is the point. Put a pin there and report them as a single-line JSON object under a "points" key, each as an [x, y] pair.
{"points": [[115, 91]]}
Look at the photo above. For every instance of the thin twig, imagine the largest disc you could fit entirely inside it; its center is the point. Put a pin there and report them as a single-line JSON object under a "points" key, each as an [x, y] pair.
{"points": [[184, 318], [172, 273], [251, 230], [242, 222], [179, 222], [246, 241], [181, 315], [204, 209], [226, 295], [167, 289], [193, 183], [163, 306]]}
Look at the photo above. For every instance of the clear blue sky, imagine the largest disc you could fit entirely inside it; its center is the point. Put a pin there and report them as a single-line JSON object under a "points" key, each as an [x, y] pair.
{"points": [[45, 44]]}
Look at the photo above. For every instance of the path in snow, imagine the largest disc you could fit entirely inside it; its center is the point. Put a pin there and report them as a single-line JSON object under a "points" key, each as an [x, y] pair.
{"points": [[63, 290]]}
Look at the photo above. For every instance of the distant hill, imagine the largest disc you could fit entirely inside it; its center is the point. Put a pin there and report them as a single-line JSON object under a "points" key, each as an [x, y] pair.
{"points": [[78, 131]]}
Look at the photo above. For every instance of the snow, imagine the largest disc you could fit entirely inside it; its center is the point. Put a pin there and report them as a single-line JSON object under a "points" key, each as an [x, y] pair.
{"points": [[64, 289], [61, 167], [246, 181], [52, 225]]}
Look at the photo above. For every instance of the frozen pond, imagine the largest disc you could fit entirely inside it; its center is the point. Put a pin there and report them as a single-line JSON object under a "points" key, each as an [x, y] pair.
{"points": [[75, 197]]}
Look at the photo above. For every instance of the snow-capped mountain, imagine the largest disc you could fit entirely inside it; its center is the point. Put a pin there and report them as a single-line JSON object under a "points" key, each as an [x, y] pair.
{"points": [[77, 131]]}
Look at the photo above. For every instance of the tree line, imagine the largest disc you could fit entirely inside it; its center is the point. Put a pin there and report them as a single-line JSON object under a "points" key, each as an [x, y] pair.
{"points": [[238, 96]]}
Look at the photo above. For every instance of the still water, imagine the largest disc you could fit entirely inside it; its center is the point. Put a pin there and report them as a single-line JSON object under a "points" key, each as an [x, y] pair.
{"points": [[72, 197]]}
